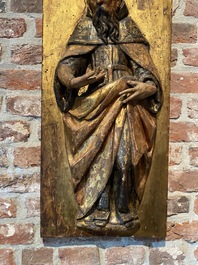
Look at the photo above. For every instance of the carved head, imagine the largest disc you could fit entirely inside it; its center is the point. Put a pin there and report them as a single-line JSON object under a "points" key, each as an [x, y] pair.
{"points": [[110, 6], [105, 18]]}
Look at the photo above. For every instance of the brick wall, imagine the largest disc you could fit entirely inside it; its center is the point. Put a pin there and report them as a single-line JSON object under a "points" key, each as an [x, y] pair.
{"points": [[20, 84]]}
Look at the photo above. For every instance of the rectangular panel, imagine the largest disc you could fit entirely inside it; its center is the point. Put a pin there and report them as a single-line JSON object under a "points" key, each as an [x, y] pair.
{"points": [[104, 159]]}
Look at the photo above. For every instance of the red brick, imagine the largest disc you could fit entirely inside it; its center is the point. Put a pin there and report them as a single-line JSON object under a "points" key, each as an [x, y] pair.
{"points": [[26, 54], [24, 106], [178, 204], [186, 231], [39, 28], [7, 257], [14, 131], [191, 57], [42, 256], [166, 255], [191, 8], [174, 56], [183, 132], [33, 207], [184, 83], [12, 28], [8, 208], [192, 108], [26, 157], [196, 205], [185, 181], [125, 255], [20, 79], [175, 154], [196, 253], [16, 234], [20, 183], [193, 153], [26, 6], [79, 255], [175, 107], [184, 33], [4, 161]]}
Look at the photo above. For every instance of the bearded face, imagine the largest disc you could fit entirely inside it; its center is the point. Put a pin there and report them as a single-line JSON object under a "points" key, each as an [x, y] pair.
{"points": [[104, 18]]}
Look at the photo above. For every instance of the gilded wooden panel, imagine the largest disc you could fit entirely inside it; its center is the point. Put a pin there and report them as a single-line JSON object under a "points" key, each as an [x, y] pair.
{"points": [[58, 204]]}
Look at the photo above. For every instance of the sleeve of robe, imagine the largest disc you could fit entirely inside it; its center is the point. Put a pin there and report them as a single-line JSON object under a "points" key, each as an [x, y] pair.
{"points": [[76, 66]]}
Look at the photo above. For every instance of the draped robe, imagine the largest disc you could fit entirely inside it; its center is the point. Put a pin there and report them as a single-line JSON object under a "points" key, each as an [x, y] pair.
{"points": [[96, 120]]}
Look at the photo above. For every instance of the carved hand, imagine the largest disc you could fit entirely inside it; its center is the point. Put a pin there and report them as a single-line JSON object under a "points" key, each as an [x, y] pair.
{"points": [[87, 79], [137, 91]]}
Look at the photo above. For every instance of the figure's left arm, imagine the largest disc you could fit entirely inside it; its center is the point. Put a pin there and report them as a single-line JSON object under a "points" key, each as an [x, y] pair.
{"points": [[147, 89]]}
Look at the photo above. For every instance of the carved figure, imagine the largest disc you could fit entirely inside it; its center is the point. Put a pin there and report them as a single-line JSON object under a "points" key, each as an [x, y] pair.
{"points": [[109, 91]]}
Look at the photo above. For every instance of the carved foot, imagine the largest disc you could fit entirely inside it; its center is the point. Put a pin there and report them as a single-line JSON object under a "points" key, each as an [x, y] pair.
{"points": [[128, 219], [101, 218], [132, 224]]}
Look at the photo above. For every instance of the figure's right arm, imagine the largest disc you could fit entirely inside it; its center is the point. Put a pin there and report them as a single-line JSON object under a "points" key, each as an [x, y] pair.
{"points": [[70, 68], [71, 74], [67, 69], [65, 75], [69, 79]]}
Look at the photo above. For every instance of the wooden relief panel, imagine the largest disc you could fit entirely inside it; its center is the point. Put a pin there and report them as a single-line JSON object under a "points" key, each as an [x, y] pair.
{"points": [[105, 117]]}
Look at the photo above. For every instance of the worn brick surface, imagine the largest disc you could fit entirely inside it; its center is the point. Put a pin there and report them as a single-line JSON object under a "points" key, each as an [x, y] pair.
{"points": [[193, 153], [174, 56], [196, 205], [184, 82], [79, 255], [12, 28], [14, 131], [191, 8], [30, 6], [186, 230], [20, 79], [192, 108], [175, 107], [125, 255], [27, 54], [175, 154], [191, 56], [16, 234], [20, 183], [33, 207], [183, 132], [27, 157], [196, 254], [8, 208], [186, 181], [24, 105], [7, 257], [38, 22], [40, 256], [178, 204], [184, 33], [1, 50], [166, 256]]}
